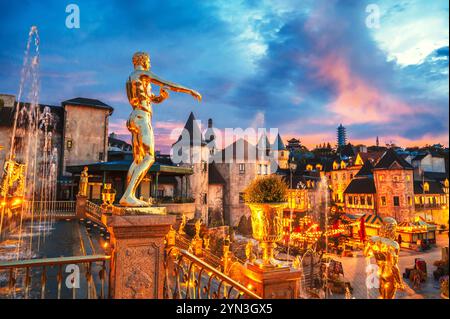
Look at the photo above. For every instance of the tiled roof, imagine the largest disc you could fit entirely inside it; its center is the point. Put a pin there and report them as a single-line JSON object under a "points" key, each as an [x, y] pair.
{"points": [[436, 176], [389, 159], [435, 187], [366, 169], [361, 185], [82, 101], [372, 156]]}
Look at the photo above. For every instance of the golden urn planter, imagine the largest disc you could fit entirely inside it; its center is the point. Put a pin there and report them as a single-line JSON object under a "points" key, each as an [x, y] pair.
{"points": [[267, 227]]}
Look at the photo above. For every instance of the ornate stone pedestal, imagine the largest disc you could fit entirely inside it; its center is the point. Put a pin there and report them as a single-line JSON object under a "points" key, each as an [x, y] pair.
{"points": [[277, 283], [137, 242], [80, 206]]}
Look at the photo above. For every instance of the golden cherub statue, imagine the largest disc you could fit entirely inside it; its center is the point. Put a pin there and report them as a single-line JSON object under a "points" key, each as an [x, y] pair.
{"points": [[140, 96], [84, 181], [182, 225], [385, 250], [198, 225]]}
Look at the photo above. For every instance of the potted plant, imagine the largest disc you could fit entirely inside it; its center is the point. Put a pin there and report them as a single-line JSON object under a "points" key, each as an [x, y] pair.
{"points": [[267, 197]]}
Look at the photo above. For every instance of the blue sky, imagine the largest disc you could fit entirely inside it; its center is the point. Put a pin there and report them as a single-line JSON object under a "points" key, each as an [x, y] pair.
{"points": [[300, 66]]}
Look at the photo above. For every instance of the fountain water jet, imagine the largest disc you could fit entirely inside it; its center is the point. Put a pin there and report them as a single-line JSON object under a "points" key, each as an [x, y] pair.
{"points": [[31, 146]]}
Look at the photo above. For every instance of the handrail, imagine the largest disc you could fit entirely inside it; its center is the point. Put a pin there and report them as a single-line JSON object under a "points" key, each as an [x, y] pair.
{"points": [[52, 261], [184, 243], [204, 270], [21, 271]]}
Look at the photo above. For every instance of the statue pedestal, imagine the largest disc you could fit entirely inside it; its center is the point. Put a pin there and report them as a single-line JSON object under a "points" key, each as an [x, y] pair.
{"points": [[276, 283], [80, 206], [137, 242]]}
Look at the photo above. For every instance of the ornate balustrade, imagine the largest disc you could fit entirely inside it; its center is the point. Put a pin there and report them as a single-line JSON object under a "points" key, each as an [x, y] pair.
{"points": [[189, 277], [93, 211], [58, 209], [30, 278]]}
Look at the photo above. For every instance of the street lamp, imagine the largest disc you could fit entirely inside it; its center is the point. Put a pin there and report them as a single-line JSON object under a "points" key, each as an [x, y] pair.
{"points": [[292, 169]]}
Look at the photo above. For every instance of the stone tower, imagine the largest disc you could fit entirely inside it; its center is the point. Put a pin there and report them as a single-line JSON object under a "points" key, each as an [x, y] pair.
{"points": [[393, 178], [191, 150], [281, 152]]}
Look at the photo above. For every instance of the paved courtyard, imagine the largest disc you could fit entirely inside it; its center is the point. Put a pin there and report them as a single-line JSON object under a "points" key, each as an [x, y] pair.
{"points": [[354, 271]]}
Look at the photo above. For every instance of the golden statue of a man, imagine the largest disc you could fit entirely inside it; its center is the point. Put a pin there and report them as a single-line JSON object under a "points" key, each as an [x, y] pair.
{"points": [[385, 250], [140, 96], [84, 181]]}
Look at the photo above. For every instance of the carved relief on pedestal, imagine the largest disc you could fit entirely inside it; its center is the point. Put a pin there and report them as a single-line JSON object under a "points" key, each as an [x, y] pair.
{"points": [[140, 271]]}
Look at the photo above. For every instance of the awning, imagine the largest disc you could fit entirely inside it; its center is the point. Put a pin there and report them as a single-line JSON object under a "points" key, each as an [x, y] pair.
{"points": [[123, 165]]}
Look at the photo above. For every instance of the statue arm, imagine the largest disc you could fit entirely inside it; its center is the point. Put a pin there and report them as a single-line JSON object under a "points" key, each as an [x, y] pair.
{"points": [[163, 94], [173, 86]]}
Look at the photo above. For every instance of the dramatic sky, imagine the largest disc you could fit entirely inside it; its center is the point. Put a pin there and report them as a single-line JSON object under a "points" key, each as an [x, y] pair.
{"points": [[303, 67]]}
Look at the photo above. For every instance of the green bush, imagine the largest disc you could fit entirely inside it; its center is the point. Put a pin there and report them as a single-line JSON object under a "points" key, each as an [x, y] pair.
{"points": [[267, 189]]}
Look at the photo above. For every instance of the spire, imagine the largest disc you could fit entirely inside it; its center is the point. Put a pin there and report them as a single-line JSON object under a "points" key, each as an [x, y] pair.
{"points": [[377, 142], [194, 131], [278, 145], [264, 142]]}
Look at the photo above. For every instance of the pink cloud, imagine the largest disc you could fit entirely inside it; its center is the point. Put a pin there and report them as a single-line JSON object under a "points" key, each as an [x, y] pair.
{"points": [[357, 101]]}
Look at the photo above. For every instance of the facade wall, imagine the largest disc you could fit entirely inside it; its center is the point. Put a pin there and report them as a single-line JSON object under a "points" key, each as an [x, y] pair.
{"points": [[339, 180], [86, 128], [395, 185], [215, 201], [360, 203], [236, 182]]}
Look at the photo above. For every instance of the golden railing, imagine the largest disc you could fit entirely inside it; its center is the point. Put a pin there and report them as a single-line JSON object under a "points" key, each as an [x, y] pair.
{"points": [[189, 277], [29, 278], [94, 211], [60, 209]]}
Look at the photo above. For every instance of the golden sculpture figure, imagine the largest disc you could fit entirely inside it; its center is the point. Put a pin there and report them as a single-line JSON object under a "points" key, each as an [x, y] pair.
{"points": [[249, 251], [198, 225], [182, 225], [140, 96], [13, 180], [385, 250], [84, 181]]}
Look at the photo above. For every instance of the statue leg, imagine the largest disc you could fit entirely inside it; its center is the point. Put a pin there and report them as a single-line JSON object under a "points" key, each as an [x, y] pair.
{"points": [[143, 156]]}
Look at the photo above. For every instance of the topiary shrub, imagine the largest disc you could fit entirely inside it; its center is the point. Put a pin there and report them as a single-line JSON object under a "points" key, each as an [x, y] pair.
{"points": [[267, 189]]}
